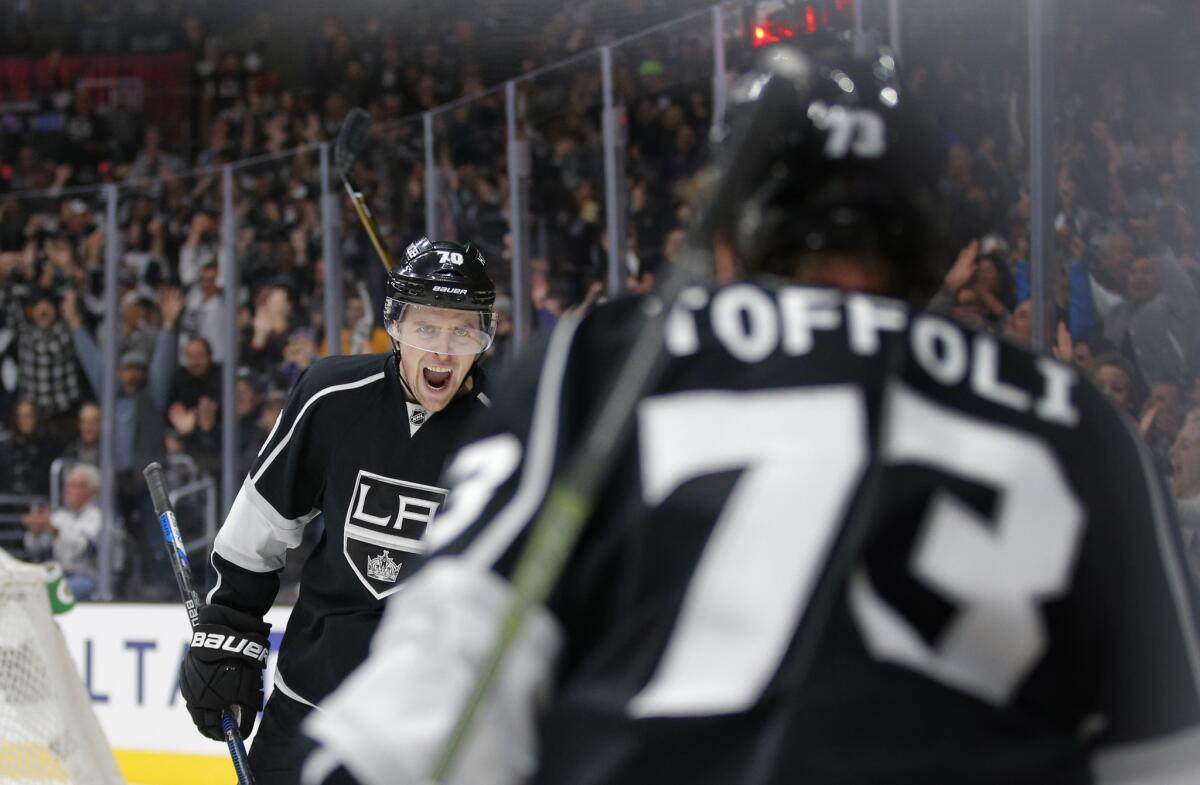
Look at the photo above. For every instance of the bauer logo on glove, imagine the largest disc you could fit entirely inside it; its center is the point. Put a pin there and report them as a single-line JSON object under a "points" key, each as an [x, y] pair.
{"points": [[235, 644]]}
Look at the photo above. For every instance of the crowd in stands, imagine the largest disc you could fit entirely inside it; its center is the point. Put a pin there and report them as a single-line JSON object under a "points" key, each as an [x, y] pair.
{"points": [[171, 319], [1127, 190]]}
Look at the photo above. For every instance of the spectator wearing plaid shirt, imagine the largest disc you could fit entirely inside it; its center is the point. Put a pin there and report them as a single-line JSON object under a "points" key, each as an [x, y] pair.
{"points": [[48, 374]]}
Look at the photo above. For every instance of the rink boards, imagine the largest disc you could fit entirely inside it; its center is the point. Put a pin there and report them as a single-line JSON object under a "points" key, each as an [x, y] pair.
{"points": [[128, 657]]}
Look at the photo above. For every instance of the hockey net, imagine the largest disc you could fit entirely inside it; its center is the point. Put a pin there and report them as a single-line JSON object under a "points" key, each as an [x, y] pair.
{"points": [[48, 732]]}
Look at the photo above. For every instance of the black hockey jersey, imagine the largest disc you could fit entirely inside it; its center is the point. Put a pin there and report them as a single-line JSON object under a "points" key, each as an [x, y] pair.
{"points": [[847, 544], [347, 445]]}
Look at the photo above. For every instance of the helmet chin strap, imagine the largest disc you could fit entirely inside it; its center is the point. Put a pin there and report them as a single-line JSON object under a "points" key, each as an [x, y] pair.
{"points": [[408, 391]]}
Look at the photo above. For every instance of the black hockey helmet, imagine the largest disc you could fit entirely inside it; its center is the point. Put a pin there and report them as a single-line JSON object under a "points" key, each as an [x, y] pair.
{"points": [[441, 275], [823, 152]]}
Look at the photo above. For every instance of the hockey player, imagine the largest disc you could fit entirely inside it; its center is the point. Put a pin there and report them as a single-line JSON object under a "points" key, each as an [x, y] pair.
{"points": [[849, 542], [362, 441]]}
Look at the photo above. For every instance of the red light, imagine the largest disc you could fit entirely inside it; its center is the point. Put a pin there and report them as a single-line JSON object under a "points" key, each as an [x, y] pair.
{"points": [[6, 172], [810, 19], [770, 33]]}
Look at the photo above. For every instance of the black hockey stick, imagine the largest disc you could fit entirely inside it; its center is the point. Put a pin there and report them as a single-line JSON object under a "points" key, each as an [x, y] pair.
{"points": [[156, 481], [351, 139]]}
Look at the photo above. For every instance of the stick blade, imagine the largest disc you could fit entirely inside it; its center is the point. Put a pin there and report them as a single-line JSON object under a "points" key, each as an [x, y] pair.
{"points": [[351, 139]]}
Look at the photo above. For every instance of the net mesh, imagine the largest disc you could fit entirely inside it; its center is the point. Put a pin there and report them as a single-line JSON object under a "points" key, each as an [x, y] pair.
{"points": [[48, 732]]}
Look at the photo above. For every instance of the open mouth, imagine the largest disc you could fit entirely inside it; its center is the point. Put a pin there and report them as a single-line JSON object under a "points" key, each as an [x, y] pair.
{"points": [[436, 378]]}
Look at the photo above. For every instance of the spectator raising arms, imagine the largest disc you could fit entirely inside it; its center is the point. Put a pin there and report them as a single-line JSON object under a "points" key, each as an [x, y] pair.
{"points": [[199, 432], [142, 396], [48, 375], [1157, 314]]}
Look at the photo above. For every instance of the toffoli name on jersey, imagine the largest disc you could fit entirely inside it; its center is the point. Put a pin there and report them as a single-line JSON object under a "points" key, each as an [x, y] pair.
{"points": [[752, 324]]}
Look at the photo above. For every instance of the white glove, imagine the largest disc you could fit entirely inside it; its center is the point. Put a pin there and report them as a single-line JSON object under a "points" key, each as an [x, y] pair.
{"points": [[389, 722]]}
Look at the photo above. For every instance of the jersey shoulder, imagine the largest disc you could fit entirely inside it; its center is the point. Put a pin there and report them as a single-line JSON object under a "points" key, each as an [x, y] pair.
{"points": [[343, 368], [340, 372], [340, 380], [612, 326]]}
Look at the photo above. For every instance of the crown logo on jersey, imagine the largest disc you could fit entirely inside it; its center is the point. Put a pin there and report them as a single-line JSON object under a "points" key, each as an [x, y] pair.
{"points": [[383, 568]]}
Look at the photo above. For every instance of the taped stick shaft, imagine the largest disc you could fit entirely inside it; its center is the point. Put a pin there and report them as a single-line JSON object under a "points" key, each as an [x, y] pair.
{"points": [[351, 139], [368, 223], [156, 481]]}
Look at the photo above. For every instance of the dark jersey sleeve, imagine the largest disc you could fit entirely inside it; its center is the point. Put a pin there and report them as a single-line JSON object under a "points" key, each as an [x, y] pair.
{"points": [[540, 409], [500, 477], [277, 499], [1148, 695]]}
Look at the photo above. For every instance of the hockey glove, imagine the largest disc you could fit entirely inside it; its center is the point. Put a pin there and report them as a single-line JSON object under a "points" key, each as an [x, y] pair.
{"points": [[222, 669]]}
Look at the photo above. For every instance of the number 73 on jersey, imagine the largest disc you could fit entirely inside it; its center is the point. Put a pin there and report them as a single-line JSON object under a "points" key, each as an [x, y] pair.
{"points": [[802, 454]]}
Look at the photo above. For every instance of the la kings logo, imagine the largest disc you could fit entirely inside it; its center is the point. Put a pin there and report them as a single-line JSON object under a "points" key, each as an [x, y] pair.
{"points": [[385, 524]]}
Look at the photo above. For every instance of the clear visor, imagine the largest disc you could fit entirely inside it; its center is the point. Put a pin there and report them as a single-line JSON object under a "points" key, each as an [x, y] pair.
{"points": [[442, 330]]}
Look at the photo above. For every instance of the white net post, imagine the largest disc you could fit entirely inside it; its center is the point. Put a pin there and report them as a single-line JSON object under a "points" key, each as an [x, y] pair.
{"points": [[48, 732]]}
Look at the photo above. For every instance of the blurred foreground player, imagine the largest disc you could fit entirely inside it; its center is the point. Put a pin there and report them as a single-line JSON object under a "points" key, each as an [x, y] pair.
{"points": [[849, 543], [361, 440]]}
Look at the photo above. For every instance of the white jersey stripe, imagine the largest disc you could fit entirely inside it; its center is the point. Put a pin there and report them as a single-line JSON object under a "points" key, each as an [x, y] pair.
{"points": [[281, 685], [212, 592], [318, 396]]}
